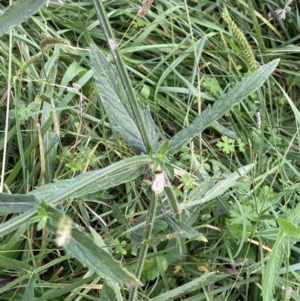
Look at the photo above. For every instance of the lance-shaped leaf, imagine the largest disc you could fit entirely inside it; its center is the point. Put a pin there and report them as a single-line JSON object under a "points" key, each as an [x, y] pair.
{"points": [[115, 101], [241, 90], [98, 260], [18, 12], [89, 182], [93, 181], [191, 286], [197, 197], [187, 231], [14, 203]]}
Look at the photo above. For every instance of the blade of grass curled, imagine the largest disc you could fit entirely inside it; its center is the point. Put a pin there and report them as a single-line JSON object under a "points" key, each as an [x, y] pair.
{"points": [[138, 117]]}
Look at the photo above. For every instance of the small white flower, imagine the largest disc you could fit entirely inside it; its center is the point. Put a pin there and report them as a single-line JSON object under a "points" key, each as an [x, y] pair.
{"points": [[63, 232], [61, 2], [112, 44], [159, 183], [281, 12], [258, 119]]}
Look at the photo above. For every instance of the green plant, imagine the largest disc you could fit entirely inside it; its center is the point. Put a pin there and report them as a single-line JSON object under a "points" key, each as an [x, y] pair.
{"points": [[181, 220]]}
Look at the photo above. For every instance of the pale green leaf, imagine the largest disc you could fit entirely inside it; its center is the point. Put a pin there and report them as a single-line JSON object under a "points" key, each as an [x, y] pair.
{"points": [[18, 12], [115, 101], [201, 189], [270, 276], [108, 293], [289, 229], [13, 203], [220, 187], [294, 216], [241, 90], [89, 182], [189, 287], [93, 181], [83, 247], [187, 231], [101, 262]]}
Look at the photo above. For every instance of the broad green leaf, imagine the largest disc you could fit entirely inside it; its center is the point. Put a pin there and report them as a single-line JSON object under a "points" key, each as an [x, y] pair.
{"points": [[101, 262], [202, 189], [13, 203], [189, 287], [29, 291], [115, 101], [219, 188], [241, 90], [89, 182], [85, 249], [116, 289], [164, 147], [238, 231], [108, 294], [98, 240], [151, 269], [18, 12], [93, 181], [289, 229]]}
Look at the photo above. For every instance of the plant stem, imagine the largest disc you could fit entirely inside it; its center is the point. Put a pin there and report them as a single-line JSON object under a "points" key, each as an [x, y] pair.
{"points": [[144, 248], [173, 202], [133, 103]]}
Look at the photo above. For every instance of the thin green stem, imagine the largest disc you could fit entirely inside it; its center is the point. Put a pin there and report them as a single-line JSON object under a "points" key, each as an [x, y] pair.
{"points": [[173, 201], [144, 247], [133, 103]]}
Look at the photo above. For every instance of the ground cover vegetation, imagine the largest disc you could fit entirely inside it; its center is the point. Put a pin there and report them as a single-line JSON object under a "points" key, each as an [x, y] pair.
{"points": [[149, 151]]}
